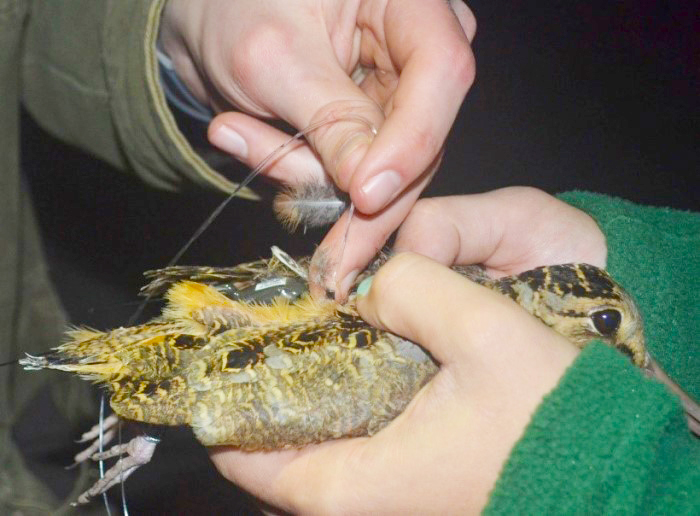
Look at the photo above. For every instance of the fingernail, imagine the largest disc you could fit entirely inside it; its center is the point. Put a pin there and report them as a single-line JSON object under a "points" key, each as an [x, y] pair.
{"points": [[229, 141], [364, 286], [381, 189]]}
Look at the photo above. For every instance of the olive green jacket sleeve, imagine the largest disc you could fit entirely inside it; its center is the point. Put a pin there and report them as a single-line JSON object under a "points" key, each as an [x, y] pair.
{"points": [[86, 71], [607, 439], [90, 76]]}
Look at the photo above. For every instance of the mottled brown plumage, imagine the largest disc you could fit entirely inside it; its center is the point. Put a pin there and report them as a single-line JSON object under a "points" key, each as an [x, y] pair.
{"points": [[296, 371], [245, 357]]}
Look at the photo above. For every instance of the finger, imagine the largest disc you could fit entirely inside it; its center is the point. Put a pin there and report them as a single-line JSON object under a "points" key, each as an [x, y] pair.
{"points": [[255, 472], [350, 245], [466, 18], [428, 303], [458, 229], [432, 53], [508, 230], [251, 141], [258, 473], [297, 481], [474, 332]]}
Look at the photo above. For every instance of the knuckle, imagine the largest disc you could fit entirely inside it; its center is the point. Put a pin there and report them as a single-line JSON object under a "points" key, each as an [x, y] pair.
{"points": [[533, 192], [391, 277], [527, 194], [350, 127], [268, 38], [420, 227], [462, 63], [425, 210], [268, 42], [422, 142]]}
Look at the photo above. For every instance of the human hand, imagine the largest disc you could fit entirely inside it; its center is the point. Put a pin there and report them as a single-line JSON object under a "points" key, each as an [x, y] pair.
{"points": [[294, 61], [509, 230], [444, 453]]}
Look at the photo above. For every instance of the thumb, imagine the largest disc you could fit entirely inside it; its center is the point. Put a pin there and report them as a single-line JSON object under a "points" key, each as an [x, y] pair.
{"points": [[485, 336], [428, 303]]}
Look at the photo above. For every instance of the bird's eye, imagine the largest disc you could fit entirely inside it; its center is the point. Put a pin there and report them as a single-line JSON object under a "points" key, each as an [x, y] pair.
{"points": [[606, 321]]}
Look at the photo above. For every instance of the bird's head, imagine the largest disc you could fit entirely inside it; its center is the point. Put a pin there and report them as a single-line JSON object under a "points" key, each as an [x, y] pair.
{"points": [[581, 302]]}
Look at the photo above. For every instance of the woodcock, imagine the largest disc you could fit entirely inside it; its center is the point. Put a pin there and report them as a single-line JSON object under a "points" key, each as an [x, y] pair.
{"points": [[245, 357]]}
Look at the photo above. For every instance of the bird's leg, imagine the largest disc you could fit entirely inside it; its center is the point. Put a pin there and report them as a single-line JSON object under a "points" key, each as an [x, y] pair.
{"points": [[136, 453]]}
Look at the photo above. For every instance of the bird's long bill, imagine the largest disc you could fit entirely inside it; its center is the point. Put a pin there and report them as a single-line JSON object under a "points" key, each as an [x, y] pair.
{"points": [[692, 408]]}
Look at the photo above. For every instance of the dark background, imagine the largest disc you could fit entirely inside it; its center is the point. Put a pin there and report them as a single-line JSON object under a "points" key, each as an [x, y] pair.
{"points": [[600, 96]]}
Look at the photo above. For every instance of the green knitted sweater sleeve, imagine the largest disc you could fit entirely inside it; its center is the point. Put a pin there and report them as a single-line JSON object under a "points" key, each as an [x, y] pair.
{"points": [[606, 439], [655, 254]]}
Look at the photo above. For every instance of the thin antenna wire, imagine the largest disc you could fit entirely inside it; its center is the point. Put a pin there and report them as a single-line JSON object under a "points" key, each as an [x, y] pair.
{"points": [[253, 174], [125, 509], [331, 118], [101, 449]]}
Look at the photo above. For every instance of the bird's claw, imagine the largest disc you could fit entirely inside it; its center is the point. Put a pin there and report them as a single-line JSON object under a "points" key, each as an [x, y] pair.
{"points": [[133, 455]]}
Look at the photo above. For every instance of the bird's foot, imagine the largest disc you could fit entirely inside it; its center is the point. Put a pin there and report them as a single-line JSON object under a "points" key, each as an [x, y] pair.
{"points": [[132, 455]]}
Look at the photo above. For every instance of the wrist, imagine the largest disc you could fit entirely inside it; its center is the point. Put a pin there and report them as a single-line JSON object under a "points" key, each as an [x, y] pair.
{"points": [[177, 92], [172, 45]]}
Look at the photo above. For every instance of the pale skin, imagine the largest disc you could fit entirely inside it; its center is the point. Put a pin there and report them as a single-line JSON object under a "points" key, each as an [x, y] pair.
{"points": [[294, 60], [444, 453]]}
